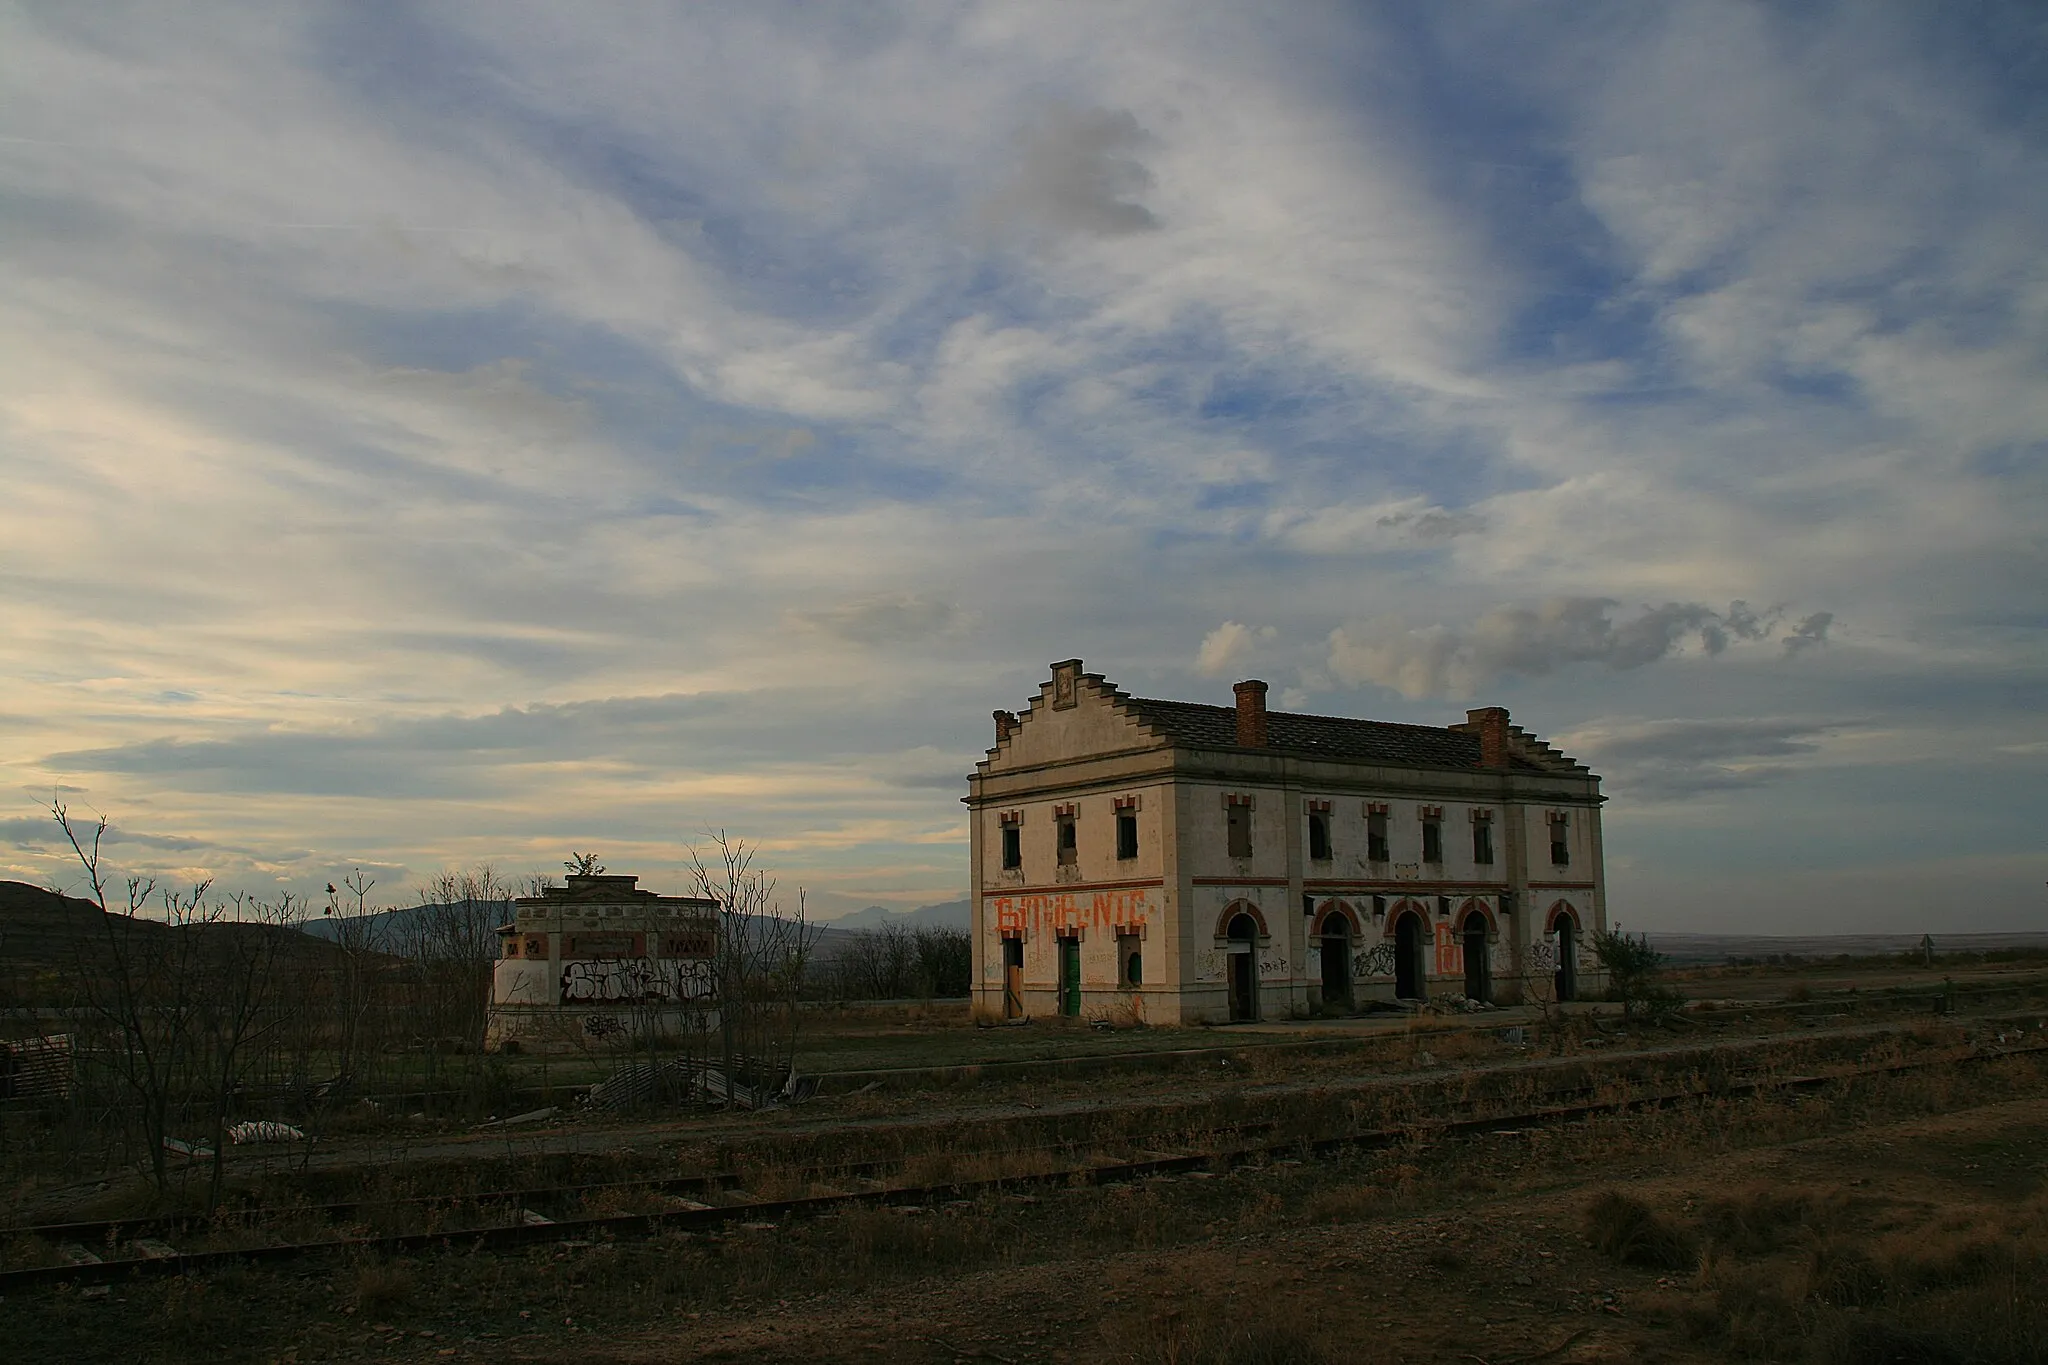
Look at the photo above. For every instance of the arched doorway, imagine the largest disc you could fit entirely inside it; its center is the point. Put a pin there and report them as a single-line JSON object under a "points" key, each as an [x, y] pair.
{"points": [[1336, 945], [1243, 934], [1408, 967], [1566, 926], [1478, 969]]}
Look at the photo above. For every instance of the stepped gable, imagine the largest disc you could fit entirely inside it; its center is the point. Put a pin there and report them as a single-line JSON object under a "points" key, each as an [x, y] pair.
{"points": [[1535, 753]]}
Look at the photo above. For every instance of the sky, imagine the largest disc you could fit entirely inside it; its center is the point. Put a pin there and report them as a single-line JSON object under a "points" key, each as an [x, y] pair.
{"points": [[434, 434]]}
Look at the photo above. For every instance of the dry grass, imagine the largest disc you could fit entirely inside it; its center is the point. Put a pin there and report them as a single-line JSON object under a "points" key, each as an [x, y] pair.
{"points": [[382, 1286], [1786, 1275], [1627, 1230], [1226, 1333]]}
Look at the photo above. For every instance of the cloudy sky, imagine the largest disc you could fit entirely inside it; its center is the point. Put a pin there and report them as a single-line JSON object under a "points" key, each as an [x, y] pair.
{"points": [[442, 433]]}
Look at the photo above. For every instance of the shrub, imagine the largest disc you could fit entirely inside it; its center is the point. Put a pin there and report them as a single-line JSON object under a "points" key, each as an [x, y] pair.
{"points": [[1627, 1230], [1635, 973]]}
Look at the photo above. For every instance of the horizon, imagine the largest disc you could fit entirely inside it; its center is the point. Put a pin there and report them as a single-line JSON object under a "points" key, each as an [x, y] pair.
{"points": [[465, 435]]}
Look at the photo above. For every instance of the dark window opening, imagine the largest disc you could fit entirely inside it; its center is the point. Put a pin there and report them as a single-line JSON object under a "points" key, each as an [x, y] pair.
{"points": [[1240, 831], [1013, 848], [1560, 843], [1126, 834], [1069, 851], [1376, 838], [1319, 838], [1130, 961], [1432, 841], [1482, 841]]}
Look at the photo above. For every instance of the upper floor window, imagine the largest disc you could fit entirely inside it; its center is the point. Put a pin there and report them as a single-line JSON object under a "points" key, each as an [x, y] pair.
{"points": [[1069, 848], [1432, 841], [1013, 844], [1126, 834], [1560, 839], [1318, 837], [1482, 840], [1376, 849], [1238, 830]]}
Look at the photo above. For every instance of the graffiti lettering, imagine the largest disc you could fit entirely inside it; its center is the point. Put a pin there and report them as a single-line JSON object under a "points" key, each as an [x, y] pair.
{"points": [[1053, 911], [1377, 960], [622, 980], [1541, 957], [1272, 966]]}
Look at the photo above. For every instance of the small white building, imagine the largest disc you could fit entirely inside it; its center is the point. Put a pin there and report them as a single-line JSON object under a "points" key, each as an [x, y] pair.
{"points": [[600, 959], [1177, 862]]}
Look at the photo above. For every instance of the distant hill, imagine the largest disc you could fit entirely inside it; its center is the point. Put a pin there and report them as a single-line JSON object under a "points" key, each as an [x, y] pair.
{"points": [[943, 915], [391, 931], [1711, 948], [41, 929]]}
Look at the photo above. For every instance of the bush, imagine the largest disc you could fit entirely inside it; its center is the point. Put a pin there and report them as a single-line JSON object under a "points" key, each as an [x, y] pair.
{"points": [[1635, 973], [1627, 1230]]}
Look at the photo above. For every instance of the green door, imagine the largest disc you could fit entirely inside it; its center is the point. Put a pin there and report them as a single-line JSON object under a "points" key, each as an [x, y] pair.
{"points": [[1070, 977]]}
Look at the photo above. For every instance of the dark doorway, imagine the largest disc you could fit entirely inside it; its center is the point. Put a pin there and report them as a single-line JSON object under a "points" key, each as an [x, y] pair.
{"points": [[1408, 956], [1478, 971], [1244, 968], [1567, 958], [1337, 961], [1070, 977], [1013, 978]]}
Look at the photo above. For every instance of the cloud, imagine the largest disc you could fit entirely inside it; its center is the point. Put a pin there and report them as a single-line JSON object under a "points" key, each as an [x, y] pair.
{"points": [[889, 619], [1079, 172], [1230, 646], [395, 434], [1809, 632], [1679, 759], [1529, 641]]}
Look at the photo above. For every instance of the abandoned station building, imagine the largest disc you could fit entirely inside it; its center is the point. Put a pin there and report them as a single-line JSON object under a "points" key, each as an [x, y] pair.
{"points": [[1176, 862], [599, 958]]}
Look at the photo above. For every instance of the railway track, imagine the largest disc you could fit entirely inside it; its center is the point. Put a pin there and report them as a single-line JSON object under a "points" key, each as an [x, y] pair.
{"points": [[1626, 1067], [527, 1228]]}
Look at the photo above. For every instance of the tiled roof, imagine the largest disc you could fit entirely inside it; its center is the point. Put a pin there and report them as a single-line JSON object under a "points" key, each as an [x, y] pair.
{"points": [[1198, 725]]}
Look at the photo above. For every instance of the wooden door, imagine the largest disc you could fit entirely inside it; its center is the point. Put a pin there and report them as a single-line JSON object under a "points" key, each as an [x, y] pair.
{"points": [[1070, 977], [1013, 978]]}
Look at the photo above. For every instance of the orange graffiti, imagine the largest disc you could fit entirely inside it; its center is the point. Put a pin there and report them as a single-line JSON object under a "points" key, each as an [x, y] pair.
{"points": [[1450, 954], [1056, 910]]}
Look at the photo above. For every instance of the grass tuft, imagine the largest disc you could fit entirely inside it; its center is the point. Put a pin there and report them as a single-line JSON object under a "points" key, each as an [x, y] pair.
{"points": [[1627, 1230]]}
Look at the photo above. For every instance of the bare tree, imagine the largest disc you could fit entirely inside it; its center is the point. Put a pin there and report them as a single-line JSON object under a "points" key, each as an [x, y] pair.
{"points": [[138, 980], [761, 956], [454, 946], [241, 1003]]}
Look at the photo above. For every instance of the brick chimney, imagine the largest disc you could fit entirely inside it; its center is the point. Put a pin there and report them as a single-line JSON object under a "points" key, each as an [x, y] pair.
{"points": [[1491, 724], [1006, 725], [1251, 713]]}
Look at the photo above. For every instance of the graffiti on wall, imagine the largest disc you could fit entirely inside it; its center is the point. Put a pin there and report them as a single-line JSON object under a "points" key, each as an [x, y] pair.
{"points": [[1541, 957], [1050, 912], [624, 980], [1377, 960], [1450, 954]]}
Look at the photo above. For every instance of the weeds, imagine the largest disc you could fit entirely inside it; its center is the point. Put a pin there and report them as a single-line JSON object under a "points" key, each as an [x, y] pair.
{"points": [[1625, 1229], [383, 1286]]}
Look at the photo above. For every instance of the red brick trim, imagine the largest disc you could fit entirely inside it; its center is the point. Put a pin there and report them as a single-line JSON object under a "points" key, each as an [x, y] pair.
{"points": [[1338, 910], [1057, 888], [1241, 907]]}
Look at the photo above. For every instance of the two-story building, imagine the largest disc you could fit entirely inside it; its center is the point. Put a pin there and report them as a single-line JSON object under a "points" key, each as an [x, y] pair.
{"points": [[1176, 862], [600, 959]]}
